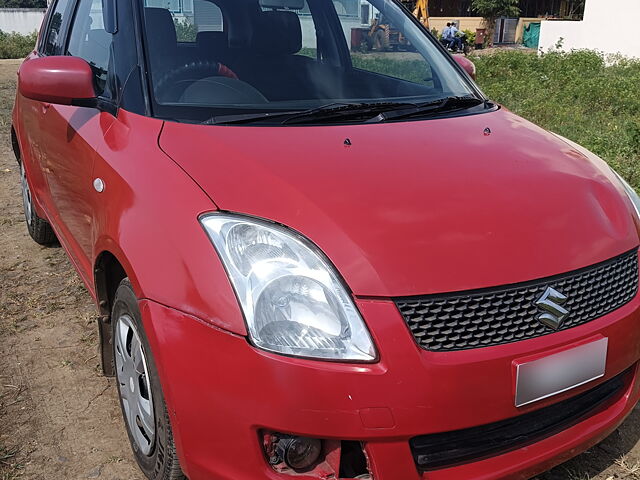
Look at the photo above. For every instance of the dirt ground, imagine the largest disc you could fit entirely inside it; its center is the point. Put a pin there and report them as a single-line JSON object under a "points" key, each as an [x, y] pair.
{"points": [[59, 418]]}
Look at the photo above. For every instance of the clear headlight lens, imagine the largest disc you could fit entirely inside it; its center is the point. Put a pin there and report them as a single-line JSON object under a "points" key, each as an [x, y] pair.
{"points": [[631, 193], [293, 301]]}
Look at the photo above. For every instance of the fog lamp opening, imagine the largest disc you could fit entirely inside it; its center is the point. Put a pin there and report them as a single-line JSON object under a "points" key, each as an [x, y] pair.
{"points": [[291, 454], [292, 451], [299, 453]]}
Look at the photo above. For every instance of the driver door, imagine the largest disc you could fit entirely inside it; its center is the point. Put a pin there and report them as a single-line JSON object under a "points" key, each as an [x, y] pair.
{"points": [[72, 136]]}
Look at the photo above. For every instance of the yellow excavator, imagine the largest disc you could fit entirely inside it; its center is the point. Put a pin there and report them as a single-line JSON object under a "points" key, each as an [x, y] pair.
{"points": [[421, 11]]}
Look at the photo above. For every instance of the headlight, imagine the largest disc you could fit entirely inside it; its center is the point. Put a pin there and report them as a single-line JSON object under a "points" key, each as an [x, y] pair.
{"points": [[631, 193], [292, 299]]}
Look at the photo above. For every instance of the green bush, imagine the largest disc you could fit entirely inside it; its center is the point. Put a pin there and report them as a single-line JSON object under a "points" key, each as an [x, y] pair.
{"points": [[577, 95], [23, 3], [15, 45], [471, 37], [185, 30]]}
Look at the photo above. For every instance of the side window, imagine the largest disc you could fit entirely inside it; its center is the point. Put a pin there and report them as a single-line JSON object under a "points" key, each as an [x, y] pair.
{"points": [[53, 36], [90, 41]]}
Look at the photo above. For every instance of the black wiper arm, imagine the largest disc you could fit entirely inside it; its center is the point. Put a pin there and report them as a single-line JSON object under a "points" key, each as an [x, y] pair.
{"points": [[438, 106], [340, 111], [381, 111], [258, 117], [246, 118]]}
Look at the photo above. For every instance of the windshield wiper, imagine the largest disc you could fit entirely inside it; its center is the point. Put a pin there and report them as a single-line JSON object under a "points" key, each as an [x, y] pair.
{"points": [[367, 112], [330, 110], [447, 104], [246, 118], [345, 110], [384, 111]]}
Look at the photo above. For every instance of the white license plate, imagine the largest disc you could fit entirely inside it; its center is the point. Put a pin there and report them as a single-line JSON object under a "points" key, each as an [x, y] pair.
{"points": [[557, 373]]}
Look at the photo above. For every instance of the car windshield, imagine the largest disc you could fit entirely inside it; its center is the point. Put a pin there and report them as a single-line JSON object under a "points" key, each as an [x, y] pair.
{"points": [[224, 61]]}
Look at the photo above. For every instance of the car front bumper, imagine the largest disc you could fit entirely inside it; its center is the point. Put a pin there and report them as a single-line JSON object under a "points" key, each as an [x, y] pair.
{"points": [[221, 392]]}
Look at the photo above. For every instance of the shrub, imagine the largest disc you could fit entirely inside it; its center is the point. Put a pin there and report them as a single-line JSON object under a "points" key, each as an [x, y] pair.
{"points": [[185, 30], [471, 37], [577, 95], [23, 3], [15, 45]]}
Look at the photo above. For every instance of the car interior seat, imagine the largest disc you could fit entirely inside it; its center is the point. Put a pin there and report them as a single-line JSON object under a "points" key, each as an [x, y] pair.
{"points": [[213, 45], [162, 37], [270, 62]]}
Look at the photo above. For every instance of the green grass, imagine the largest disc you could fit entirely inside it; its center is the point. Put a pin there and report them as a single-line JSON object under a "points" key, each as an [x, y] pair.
{"points": [[15, 45], [411, 70], [575, 95]]}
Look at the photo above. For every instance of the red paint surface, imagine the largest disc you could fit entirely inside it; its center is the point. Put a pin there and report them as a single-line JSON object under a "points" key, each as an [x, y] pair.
{"points": [[56, 79], [410, 208], [426, 393], [423, 207], [466, 64]]}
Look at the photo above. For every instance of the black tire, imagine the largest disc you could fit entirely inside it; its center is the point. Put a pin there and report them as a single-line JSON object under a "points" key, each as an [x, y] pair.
{"points": [[39, 229], [161, 463]]}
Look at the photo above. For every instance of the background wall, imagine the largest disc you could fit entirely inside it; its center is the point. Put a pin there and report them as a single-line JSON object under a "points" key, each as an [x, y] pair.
{"points": [[466, 23], [472, 23], [608, 25], [21, 20]]}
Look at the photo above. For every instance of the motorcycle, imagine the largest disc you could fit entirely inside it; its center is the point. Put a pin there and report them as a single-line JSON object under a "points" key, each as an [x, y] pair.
{"points": [[461, 47]]}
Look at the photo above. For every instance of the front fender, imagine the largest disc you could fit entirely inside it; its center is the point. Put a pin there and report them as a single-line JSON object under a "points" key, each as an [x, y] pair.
{"points": [[148, 219]]}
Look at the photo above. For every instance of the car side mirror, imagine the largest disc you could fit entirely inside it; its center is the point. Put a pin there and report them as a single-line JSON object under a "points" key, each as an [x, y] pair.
{"points": [[57, 79], [466, 64]]}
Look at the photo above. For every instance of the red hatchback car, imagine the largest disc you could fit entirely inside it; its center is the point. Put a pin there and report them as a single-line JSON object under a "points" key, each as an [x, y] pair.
{"points": [[317, 261]]}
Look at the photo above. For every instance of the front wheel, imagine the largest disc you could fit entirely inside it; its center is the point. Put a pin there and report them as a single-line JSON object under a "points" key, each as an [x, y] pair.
{"points": [[38, 228], [143, 407]]}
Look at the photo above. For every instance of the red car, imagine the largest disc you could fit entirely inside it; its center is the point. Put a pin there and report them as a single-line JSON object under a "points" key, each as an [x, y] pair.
{"points": [[315, 263]]}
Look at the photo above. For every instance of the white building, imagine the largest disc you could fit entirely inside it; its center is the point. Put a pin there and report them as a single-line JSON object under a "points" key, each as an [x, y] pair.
{"points": [[610, 26], [21, 20]]}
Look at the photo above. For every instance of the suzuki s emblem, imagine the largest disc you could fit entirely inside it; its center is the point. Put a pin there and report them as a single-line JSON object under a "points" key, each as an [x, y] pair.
{"points": [[550, 303]]}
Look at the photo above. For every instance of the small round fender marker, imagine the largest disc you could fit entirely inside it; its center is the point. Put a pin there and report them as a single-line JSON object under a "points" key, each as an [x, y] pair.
{"points": [[98, 184], [487, 132], [347, 142]]}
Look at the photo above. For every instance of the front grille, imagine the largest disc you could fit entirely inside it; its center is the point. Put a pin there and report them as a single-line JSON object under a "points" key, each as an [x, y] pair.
{"points": [[495, 316], [447, 449]]}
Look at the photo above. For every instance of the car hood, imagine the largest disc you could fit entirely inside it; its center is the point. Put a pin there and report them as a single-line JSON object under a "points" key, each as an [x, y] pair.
{"points": [[420, 207]]}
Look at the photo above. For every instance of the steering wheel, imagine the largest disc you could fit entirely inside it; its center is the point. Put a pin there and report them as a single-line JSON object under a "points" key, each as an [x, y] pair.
{"points": [[190, 72]]}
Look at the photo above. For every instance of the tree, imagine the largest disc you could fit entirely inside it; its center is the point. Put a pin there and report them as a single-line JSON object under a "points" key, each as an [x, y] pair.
{"points": [[491, 10]]}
